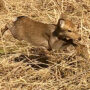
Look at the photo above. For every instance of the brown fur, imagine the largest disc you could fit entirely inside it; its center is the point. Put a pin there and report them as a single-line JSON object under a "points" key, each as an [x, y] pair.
{"points": [[68, 30], [40, 34]]}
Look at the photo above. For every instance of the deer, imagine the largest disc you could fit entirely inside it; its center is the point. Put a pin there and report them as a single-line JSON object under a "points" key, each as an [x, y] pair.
{"points": [[50, 36]]}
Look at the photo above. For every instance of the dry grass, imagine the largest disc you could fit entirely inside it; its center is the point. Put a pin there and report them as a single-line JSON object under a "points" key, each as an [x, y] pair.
{"points": [[38, 69]]}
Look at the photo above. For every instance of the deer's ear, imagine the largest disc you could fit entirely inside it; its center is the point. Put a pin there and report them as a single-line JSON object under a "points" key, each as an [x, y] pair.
{"points": [[61, 23]]}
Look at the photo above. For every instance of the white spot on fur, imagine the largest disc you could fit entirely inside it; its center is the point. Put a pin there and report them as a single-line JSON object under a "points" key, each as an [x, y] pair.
{"points": [[14, 19], [62, 23]]}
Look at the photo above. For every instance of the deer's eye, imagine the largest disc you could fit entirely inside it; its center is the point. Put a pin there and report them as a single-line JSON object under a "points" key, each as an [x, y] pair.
{"points": [[69, 31]]}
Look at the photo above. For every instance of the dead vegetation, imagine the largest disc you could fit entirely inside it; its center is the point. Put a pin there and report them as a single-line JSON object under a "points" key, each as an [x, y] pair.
{"points": [[23, 67]]}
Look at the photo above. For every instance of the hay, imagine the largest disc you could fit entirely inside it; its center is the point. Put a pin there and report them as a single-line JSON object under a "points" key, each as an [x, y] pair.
{"points": [[64, 70]]}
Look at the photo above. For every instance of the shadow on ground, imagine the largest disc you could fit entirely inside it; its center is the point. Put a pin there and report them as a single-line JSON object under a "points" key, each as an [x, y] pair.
{"points": [[36, 61]]}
